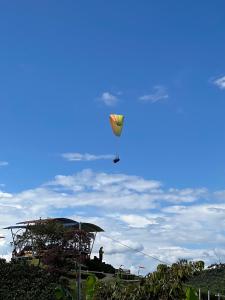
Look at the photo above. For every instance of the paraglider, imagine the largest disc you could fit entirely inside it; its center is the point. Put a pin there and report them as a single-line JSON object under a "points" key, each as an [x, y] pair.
{"points": [[116, 122], [116, 159]]}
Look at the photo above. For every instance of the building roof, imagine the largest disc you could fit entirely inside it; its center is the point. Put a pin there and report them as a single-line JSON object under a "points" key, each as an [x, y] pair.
{"points": [[61, 220], [15, 227], [89, 227]]}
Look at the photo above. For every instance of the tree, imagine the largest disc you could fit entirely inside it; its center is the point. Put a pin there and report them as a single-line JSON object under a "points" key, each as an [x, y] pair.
{"points": [[57, 246], [166, 283], [22, 281]]}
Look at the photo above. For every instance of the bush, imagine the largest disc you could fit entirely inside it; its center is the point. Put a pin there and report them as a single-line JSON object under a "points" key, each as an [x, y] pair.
{"points": [[24, 282]]}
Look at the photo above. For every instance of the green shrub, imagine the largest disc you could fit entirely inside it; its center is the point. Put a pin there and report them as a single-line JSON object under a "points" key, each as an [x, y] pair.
{"points": [[25, 282]]}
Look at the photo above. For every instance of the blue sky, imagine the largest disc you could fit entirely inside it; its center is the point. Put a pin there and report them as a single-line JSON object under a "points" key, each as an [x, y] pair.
{"points": [[65, 66]]}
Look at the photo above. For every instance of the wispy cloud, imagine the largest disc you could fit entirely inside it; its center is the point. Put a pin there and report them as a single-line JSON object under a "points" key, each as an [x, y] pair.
{"points": [[3, 163], [109, 99], [220, 82], [85, 157], [159, 93]]}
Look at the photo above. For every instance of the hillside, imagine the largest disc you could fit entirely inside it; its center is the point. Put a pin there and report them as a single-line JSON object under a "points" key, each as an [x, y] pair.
{"points": [[210, 279]]}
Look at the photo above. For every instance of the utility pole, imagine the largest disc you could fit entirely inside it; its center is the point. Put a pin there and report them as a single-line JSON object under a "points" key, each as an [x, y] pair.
{"points": [[79, 267], [208, 294], [199, 294]]}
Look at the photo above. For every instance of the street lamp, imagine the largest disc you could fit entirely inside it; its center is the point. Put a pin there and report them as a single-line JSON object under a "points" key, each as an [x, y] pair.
{"points": [[140, 267], [120, 270]]}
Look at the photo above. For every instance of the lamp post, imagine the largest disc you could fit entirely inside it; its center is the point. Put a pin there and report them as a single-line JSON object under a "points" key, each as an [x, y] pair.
{"points": [[120, 270], [140, 267]]}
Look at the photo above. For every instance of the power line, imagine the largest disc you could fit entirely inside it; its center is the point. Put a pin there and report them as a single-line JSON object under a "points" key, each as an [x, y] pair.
{"points": [[138, 251], [135, 250]]}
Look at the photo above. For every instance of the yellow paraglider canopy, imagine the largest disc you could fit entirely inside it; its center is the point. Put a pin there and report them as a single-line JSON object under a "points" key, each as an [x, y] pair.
{"points": [[116, 122]]}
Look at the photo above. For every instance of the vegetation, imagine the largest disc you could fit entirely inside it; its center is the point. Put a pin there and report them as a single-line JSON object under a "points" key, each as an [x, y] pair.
{"points": [[96, 265], [212, 279], [58, 250], [166, 283], [57, 247], [21, 281]]}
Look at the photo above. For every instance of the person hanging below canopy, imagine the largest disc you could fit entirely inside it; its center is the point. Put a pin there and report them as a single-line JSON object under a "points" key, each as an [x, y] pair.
{"points": [[116, 122], [116, 159]]}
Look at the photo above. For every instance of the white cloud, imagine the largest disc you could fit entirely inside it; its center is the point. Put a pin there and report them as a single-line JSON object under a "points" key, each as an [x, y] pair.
{"points": [[5, 195], [117, 248], [109, 99], [85, 157], [3, 163], [159, 93], [137, 220], [139, 212], [220, 195], [220, 82]]}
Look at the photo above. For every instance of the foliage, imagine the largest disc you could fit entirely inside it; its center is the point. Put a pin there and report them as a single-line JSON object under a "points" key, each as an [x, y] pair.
{"points": [[166, 283], [97, 265], [27, 282], [90, 287], [62, 294], [21, 281], [210, 279], [116, 290], [66, 290], [58, 247], [190, 294], [52, 234]]}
